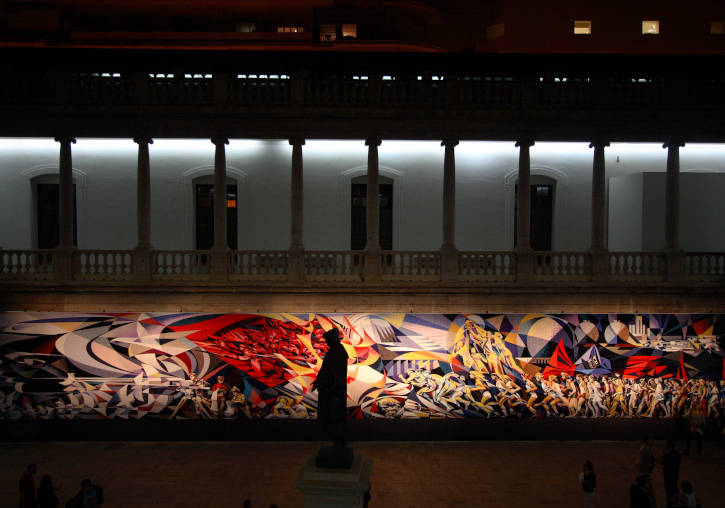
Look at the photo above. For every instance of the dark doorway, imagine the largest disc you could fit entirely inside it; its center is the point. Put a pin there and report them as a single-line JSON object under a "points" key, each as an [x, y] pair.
{"points": [[358, 213], [542, 213], [205, 216], [48, 213]]}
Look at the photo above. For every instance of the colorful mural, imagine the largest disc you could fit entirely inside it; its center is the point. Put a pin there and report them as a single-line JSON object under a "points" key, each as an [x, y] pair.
{"points": [[189, 365]]}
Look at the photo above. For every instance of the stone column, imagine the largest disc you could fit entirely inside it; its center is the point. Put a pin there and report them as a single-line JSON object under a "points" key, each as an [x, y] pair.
{"points": [[142, 252], [599, 250], [524, 253], [65, 248], [220, 247], [372, 244], [675, 256], [296, 264], [449, 253]]}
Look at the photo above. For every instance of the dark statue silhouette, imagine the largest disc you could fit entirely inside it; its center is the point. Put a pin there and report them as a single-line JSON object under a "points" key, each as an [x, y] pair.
{"points": [[331, 386]]}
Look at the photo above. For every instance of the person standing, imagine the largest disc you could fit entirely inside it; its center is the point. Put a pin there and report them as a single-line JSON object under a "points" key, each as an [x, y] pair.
{"points": [[26, 485], [645, 464], [46, 493], [671, 460], [638, 497], [588, 482]]}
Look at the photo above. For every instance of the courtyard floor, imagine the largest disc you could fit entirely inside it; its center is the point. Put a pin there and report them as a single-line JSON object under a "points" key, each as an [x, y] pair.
{"points": [[404, 474]]}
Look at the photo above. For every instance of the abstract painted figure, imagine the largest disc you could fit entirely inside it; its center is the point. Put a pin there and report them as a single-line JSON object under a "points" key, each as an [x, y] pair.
{"points": [[331, 385]]}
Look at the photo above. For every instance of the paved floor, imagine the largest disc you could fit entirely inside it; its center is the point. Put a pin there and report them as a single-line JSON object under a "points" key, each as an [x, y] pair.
{"points": [[405, 474]]}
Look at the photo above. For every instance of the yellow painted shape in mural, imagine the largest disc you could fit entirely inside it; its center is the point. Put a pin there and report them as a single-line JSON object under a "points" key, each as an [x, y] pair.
{"points": [[425, 355], [513, 338], [294, 319], [396, 319], [350, 350]]}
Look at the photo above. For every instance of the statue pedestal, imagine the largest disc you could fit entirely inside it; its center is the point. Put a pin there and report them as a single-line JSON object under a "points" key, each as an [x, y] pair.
{"points": [[335, 488]]}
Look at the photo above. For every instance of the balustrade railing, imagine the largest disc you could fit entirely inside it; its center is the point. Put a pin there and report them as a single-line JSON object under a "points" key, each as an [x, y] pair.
{"points": [[94, 87], [486, 266], [181, 264], [337, 92], [255, 91], [261, 265], [637, 265], [102, 265], [27, 264], [334, 266], [705, 265], [411, 265], [563, 265], [344, 266]]}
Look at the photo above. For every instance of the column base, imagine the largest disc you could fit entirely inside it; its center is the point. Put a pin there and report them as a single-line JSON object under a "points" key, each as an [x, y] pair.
{"points": [[600, 264], [373, 267], [675, 264], [449, 263], [525, 261], [296, 264], [335, 488], [141, 263]]}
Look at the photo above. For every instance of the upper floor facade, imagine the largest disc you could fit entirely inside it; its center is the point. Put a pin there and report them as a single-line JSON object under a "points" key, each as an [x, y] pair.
{"points": [[633, 217], [497, 26]]}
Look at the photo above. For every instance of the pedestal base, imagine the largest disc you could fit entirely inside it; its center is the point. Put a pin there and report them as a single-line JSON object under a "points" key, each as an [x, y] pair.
{"points": [[334, 457], [335, 488]]}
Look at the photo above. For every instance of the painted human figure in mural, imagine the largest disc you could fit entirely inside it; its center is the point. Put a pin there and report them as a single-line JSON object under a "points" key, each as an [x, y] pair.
{"points": [[331, 386]]}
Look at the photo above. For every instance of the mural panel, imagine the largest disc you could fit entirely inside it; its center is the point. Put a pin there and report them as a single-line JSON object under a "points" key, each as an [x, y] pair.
{"points": [[191, 365]]}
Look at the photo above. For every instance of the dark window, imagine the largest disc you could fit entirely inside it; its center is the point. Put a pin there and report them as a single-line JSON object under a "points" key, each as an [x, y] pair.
{"points": [[205, 216], [48, 200], [358, 214], [542, 200]]}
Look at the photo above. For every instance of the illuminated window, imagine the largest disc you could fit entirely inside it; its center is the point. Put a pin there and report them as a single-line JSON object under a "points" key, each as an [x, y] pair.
{"points": [[328, 32], [717, 27], [582, 27], [651, 27], [494, 31], [290, 29], [349, 31], [246, 26]]}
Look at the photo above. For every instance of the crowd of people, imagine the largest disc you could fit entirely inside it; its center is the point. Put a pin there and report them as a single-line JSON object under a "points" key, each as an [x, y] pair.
{"points": [[90, 495], [641, 492]]}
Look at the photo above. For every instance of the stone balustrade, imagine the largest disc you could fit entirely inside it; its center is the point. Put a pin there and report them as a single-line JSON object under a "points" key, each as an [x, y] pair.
{"points": [[638, 265], [468, 90], [102, 265], [411, 265], [563, 265], [487, 266], [334, 266], [344, 267]]}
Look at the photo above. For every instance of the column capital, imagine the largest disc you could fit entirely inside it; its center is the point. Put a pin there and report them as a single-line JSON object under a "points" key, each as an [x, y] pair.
{"points": [[598, 143], [373, 141], [143, 139], [449, 142], [296, 141], [527, 142], [220, 140], [65, 139], [673, 143]]}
